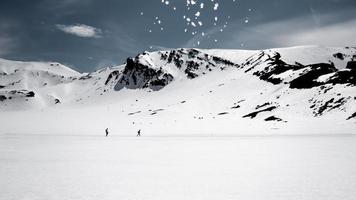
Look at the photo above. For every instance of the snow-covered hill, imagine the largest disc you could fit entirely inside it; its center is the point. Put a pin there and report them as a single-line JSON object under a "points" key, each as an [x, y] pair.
{"points": [[300, 90]]}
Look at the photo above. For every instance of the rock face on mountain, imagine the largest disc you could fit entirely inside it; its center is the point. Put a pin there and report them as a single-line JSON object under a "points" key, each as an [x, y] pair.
{"points": [[153, 70], [193, 62], [351, 65], [142, 75], [274, 70]]}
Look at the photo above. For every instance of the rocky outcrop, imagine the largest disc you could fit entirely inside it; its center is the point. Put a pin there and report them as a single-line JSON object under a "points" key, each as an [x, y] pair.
{"points": [[137, 75], [16, 94], [193, 62], [343, 77], [113, 75], [351, 65], [352, 116], [310, 75], [254, 114], [269, 67], [3, 97], [273, 118], [275, 67], [144, 71]]}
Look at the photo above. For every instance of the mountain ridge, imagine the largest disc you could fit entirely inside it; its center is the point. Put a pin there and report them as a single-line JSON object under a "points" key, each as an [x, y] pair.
{"points": [[185, 85]]}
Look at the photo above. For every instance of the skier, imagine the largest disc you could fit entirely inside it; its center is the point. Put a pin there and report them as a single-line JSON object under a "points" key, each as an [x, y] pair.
{"points": [[106, 132], [139, 133]]}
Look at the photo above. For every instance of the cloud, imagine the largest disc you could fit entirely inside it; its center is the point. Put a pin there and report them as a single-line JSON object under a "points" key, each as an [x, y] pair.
{"points": [[81, 30], [6, 45], [315, 29], [299, 31], [63, 4], [117, 39], [8, 42], [159, 48], [341, 34]]}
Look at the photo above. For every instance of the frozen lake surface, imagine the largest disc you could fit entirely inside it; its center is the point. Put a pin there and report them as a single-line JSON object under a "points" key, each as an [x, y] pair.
{"points": [[123, 168]]}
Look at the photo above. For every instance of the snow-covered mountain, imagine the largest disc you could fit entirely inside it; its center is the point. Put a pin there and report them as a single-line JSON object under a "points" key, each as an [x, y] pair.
{"points": [[300, 90]]}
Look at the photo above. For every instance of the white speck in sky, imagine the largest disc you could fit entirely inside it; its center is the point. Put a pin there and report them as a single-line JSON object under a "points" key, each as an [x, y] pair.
{"points": [[195, 16]]}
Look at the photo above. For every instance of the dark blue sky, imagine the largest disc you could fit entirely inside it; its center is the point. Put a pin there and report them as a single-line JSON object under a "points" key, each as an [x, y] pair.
{"points": [[89, 34]]}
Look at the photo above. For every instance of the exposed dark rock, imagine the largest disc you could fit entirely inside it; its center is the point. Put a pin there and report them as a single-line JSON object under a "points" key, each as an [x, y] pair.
{"points": [[193, 53], [30, 94], [137, 75], [273, 118], [3, 97], [114, 74], [12, 92], [308, 79], [85, 77], [352, 116], [16, 82], [165, 80], [263, 105], [134, 113], [325, 88], [236, 107], [340, 56], [351, 65], [175, 57], [330, 105], [154, 112], [243, 100], [343, 77], [191, 66], [190, 74], [57, 101], [275, 66], [254, 114], [20, 93], [219, 60], [1, 86], [194, 61], [54, 64], [223, 113], [252, 62], [309, 74]]}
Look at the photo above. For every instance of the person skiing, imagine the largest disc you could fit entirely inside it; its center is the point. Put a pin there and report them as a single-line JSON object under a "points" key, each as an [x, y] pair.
{"points": [[139, 133], [106, 132]]}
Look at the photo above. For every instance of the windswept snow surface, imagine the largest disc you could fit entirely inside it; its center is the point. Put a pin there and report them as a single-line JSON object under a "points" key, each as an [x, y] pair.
{"points": [[45, 167]]}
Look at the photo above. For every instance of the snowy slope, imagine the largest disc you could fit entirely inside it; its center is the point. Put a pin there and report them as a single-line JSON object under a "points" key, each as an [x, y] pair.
{"points": [[301, 90], [19, 80]]}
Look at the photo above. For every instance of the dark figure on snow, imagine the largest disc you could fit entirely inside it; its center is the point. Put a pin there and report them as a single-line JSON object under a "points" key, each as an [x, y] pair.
{"points": [[106, 132], [139, 133]]}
